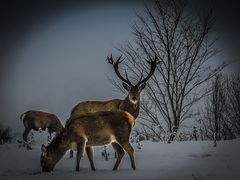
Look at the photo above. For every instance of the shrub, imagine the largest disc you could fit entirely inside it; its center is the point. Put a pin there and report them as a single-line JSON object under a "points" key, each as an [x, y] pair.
{"points": [[5, 135]]}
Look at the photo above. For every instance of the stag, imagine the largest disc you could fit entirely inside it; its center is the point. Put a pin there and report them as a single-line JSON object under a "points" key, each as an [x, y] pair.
{"points": [[88, 130], [130, 104], [40, 120]]}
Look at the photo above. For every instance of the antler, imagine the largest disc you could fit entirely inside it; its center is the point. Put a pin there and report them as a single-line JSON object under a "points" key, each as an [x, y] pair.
{"points": [[153, 64], [115, 65]]}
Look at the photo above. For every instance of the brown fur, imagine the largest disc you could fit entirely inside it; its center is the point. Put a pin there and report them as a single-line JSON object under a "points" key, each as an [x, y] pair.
{"points": [[97, 106], [38, 119], [92, 129], [130, 104], [114, 104], [131, 119]]}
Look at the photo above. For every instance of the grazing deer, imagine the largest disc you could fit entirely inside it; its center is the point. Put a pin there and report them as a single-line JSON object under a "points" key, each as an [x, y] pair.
{"points": [[40, 120], [130, 104], [88, 130]]}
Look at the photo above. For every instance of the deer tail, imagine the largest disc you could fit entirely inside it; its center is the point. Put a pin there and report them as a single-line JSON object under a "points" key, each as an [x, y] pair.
{"points": [[23, 115]]}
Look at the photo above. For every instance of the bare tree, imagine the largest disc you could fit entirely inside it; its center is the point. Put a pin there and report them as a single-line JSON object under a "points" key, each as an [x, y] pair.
{"points": [[233, 104], [219, 117], [213, 112], [182, 41]]}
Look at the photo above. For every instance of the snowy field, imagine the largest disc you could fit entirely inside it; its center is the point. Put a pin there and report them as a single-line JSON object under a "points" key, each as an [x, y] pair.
{"points": [[155, 161]]}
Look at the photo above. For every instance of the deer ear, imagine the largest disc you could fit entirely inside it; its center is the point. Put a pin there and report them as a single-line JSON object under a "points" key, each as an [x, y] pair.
{"points": [[126, 86], [142, 86]]}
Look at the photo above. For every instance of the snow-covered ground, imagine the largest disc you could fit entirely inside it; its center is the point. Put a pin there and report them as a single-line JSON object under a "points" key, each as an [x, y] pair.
{"points": [[155, 161]]}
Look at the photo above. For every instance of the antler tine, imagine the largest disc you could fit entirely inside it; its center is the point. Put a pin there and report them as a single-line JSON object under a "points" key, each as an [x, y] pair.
{"points": [[156, 59], [120, 76], [115, 65], [122, 60], [110, 59], [140, 80], [118, 60], [126, 75], [153, 64], [149, 62]]}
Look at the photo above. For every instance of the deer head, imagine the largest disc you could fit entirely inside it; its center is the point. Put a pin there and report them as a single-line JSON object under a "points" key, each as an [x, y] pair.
{"points": [[47, 162], [133, 90]]}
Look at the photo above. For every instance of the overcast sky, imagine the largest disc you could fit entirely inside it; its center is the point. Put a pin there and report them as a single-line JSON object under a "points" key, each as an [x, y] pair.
{"points": [[53, 55]]}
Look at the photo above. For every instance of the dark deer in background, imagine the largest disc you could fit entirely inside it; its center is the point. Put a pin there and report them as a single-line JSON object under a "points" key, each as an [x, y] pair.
{"points": [[40, 120], [130, 104], [88, 130]]}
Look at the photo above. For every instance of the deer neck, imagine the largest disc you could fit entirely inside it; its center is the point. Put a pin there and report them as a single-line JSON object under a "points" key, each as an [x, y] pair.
{"points": [[127, 105], [59, 146]]}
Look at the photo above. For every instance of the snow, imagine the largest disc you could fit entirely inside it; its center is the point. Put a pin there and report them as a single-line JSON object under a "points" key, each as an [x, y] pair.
{"points": [[179, 160]]}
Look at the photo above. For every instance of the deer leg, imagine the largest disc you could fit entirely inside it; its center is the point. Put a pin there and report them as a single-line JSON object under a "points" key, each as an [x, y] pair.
{"points": [[127, 147], [120, 153], [25, 134], [50, 135], [80, 149], [71, 154], [89, 151]]}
